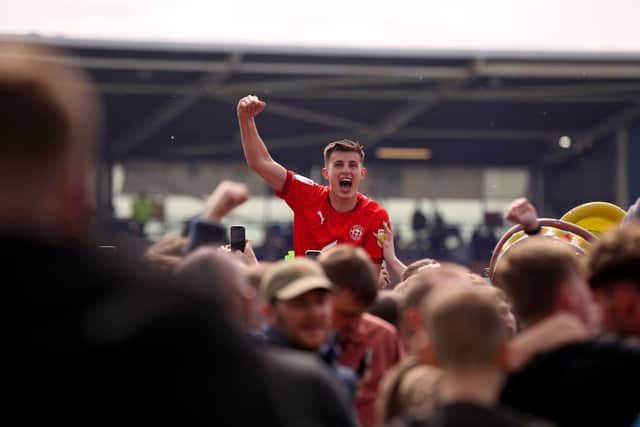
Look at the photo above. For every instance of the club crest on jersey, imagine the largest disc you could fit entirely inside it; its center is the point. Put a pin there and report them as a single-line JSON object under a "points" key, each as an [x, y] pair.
{"points": [[356, 232]]}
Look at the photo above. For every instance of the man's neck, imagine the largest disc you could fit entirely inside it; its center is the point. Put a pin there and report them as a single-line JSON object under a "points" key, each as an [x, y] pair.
{"points": [[342, 205], [480, 386]]}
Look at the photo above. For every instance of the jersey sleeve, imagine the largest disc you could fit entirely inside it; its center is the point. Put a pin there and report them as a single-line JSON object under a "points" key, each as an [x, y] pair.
{"points": [[370, 242], [298, 190]]}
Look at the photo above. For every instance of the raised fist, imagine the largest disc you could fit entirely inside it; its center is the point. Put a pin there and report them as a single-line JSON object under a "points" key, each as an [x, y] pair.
{"points": [[523, 212], [249, 107], [225, 197]]}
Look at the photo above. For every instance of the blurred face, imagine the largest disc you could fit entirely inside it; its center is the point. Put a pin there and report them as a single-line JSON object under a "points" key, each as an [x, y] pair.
{"points": [[347, 312], [344, 172], [304, 320], [620, 309]]}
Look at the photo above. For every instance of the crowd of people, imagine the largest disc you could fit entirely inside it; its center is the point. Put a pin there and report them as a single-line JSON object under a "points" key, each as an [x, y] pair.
{"points": [[192, 332]]}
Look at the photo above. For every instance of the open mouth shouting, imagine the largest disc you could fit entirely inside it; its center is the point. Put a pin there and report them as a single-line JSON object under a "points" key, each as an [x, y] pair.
{"points": [[345, 184]]}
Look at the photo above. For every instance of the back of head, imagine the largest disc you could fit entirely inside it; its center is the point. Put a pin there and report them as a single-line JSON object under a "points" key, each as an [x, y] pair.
{"points": [[48, 125], [424, 281], [415, 266], [350, 268], [47, 108], [465, 328], [532, 273], [211, 271], [615, 258], [387, 307], [167, 252]]}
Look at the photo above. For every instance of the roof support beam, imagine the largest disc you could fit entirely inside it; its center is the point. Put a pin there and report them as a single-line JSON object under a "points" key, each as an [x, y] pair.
{"points": [[554, 70], [274, 144], [511, 69], [340, 88], [482, 134], [305, 140], [399, 118], [587, 139], [167, 112]]}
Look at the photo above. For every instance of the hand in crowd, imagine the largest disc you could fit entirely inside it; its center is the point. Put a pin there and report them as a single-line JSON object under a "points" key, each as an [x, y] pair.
{"points": [[248, 257], [387, 242], [249, 107], [523, 212], [225, 197]]}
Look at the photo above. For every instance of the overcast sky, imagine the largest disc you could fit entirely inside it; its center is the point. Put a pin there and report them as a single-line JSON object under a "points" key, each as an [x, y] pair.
{"points": [[538, 25]]}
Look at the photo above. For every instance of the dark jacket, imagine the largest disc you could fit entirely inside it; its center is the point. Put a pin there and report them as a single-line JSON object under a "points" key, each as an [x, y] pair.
{"points": [[589, 383], [97, 340], [468, 415], [329, 354], [307, 393]]}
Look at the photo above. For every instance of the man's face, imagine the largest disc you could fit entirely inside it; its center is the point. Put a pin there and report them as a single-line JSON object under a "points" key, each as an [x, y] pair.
{"points": [[304, 320], [347, 312], [344, 172]]}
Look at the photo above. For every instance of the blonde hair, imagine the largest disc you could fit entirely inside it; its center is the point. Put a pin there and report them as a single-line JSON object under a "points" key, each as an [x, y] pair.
{"points": [[464, 326]]}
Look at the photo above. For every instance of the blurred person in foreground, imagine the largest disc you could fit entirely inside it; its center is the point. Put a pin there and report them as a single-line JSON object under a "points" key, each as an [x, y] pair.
{"points": [[468, 341], [100, 340], [570, 383], [368, 344]]}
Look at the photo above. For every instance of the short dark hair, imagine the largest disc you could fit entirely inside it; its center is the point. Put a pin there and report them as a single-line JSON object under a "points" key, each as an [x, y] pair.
{"points": [[344, 145], [349, 267], [531, 273], [615, 258], [387, 307]]}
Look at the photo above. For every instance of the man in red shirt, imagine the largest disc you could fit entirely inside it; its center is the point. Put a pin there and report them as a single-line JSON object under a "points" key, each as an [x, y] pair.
{"points": [[368, 344], [323, 215]]}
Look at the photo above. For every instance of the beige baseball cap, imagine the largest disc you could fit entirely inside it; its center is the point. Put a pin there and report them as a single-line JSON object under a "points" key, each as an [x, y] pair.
{"points": [[289, 279]]}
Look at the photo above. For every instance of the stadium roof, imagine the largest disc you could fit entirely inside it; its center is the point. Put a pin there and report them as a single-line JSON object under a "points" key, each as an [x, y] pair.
{"points": [[177, 101]]}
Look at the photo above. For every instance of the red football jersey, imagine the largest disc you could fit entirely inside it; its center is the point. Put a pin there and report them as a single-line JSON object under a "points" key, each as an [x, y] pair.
{"points": [[316, 224]]}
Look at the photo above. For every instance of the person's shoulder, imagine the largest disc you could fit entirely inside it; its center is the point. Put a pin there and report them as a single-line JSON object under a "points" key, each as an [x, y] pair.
{"points": [[290, 370], [601, 350], [603, 360], [375, 326], [376, 323], [302, 179], [371, 207], [306, 364], [465, 413], [306, 182]]}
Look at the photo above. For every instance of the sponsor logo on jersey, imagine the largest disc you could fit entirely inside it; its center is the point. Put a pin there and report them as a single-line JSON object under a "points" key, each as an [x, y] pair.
{"points": [[356, 232]]}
